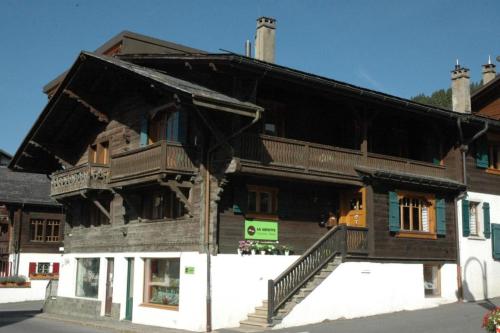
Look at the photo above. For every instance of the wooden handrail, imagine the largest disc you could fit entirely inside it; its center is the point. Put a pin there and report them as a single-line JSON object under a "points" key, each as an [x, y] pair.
{"points": [[281, 289]]}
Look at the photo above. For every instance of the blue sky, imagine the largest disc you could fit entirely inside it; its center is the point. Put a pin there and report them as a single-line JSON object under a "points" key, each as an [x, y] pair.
{"points": [[400, 47]]}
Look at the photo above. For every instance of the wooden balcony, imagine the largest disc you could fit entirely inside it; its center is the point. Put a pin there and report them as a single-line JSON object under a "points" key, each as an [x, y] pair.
{"points": [[79, 179], [147, 163], [263, 154]]}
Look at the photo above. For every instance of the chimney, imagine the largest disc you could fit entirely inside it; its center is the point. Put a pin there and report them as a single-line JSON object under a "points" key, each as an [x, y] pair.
{"points": [[460, 89], [265, 39], [489, 71], [248, 48]]}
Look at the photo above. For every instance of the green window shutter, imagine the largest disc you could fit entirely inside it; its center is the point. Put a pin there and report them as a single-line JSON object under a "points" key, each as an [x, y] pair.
{"points": [[495, 239], [486, 219], [394, 222], [441, 217], [482, 153], [465, 218], [144, 131]]}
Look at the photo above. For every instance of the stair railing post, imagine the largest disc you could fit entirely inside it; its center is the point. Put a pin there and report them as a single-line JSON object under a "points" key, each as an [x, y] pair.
{"points": [[343, 241], [270, 301]]}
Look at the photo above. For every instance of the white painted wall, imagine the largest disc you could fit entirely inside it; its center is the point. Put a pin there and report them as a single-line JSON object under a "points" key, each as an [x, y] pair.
{"points": [[480, 272], [239, 284], [37, 290], [191, 312], [358, 289]]}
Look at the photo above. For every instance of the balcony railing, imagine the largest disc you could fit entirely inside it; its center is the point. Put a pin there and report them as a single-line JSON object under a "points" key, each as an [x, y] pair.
{"points": [[160, 157], [306, 157], [79, 178]]}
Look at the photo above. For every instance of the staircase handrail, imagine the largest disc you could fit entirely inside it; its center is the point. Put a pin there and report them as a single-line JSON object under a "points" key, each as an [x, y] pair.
{"points": [[305, 267]]}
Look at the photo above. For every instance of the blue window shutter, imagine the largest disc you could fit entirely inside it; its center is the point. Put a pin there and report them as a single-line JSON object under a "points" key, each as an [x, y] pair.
{"points": [[465, 218], [486, 219], [441, 217], [394, 222], [482, 153], [495, 239], [182, 126], [144, 131], [173, 127]]}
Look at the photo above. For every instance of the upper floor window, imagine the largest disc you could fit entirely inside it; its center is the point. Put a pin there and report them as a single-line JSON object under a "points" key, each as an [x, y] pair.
{"points": [[488, 153], [44, 230], [417, 215], [164, 125], [162, 204], [476, 219], [99, 152], [262, 200]]}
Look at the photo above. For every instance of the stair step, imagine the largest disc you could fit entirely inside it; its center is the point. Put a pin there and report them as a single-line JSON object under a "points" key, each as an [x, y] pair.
{"points": [[253, 324], [261, 310], [257, 318]]}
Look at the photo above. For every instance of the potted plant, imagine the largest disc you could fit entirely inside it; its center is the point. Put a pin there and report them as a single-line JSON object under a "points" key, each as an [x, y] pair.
{"points": [[491, 321], [254, 247], [244, 247], [286, 250]]}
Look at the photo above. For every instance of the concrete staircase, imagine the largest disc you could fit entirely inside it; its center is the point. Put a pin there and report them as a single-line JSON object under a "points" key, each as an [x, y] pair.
{"points": [[258, 319]]}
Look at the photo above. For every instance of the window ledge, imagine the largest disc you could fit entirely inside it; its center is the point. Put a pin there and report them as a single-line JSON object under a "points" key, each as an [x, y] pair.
{"points": [[416, 234], [477, 238], [159, 306], [493, 171]]}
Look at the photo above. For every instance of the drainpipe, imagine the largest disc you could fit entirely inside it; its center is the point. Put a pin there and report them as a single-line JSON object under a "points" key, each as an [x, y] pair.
{"points": [[207, 207], [18, 247], [464, 148]]}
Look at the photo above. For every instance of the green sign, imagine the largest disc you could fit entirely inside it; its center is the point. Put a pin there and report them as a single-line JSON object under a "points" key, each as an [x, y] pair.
{"points": [[261, 230], [189, 270]]}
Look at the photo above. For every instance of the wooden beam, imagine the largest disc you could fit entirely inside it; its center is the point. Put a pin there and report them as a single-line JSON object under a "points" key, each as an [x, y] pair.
{"points": [[100, 116], [101, 208], [174, 186], [59, 159]]}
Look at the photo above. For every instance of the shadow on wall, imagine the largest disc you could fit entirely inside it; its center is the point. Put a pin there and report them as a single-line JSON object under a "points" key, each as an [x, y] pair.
{"points": [[475, 286]]}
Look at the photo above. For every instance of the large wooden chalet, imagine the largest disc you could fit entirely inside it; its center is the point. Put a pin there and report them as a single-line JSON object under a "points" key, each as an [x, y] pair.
{"points": [[157, 154]]}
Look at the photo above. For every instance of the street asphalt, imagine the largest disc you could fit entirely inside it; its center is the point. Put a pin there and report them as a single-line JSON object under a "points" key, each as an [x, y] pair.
{"points": [[451, 318]]}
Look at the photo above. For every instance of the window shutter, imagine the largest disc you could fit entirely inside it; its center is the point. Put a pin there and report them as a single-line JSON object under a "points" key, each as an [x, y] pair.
{"points": [[32, 269], [441, 217], [465, 218], [482, 153], [240, 199], [144, 131], [495, 239], [173, 127], [486, 219], [394, 222], [55, 268]]}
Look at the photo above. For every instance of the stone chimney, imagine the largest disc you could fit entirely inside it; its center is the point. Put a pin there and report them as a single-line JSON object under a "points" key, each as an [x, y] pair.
{"points": [[460, 89], [489, 71], [265, 39]]}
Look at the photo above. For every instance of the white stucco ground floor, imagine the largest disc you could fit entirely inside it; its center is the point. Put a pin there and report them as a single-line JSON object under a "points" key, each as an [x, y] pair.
{"points": [[38, 269], [169, 289], [480, 269]]}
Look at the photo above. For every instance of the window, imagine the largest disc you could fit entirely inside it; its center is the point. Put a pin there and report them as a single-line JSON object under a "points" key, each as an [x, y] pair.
{"points": [[43, 268], [162, 204], [262, 200], [494, 155], [432, 280], [417, 215], [474, 218], [36, 230], [87, 277], [99, 153], [52, 231], [161, 282]]}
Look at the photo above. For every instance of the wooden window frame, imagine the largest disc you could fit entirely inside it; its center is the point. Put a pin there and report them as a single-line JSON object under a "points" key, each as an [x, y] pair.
{"points": [[438, 279], [43, 264], [171, 208], [258, 214], [37, 223], [432, 233], [97, 149], [148, 284], [493, 143], [51, 224], [474, 233]]}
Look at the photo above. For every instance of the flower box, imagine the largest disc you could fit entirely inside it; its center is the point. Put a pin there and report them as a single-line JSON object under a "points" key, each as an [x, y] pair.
{"points": [[44, 276], [15, 285]]}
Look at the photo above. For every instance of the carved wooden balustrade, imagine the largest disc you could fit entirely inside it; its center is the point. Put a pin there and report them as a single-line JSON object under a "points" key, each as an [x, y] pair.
{"points": [[261, 152], [357, 240], [149, 161], [79, 178]]}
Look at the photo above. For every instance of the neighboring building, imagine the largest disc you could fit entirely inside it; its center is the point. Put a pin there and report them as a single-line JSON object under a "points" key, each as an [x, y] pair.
{"points": [[479, 210], [161, 159], [31, 230]]}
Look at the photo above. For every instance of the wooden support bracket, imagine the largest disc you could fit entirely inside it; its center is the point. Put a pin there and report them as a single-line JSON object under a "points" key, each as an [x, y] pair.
{"points": [[100, 116], [175, 187]]}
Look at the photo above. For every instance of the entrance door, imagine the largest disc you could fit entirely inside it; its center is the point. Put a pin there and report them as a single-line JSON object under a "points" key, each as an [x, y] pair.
{"points": [[352, 208], [130, 289], [109, 287]]}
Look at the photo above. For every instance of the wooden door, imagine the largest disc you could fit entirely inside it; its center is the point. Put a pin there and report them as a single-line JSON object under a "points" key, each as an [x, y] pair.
{"points": [[130, 289], [109, 287], [353, 208]]}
